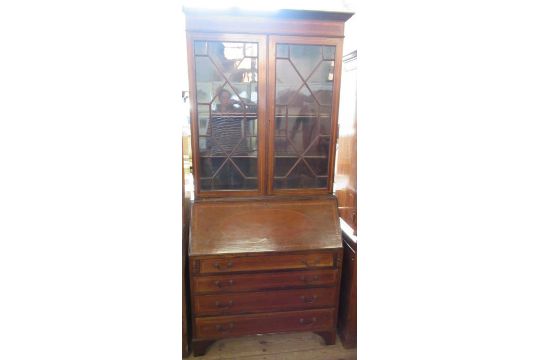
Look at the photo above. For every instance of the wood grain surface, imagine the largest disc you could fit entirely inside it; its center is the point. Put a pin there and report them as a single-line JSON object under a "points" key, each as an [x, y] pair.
{"points": [[267, 281], [264, 226], [227, 326]]}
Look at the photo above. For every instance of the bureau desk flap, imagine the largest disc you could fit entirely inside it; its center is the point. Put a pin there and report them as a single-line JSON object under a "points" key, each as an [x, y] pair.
{"points": [[241, 226]]}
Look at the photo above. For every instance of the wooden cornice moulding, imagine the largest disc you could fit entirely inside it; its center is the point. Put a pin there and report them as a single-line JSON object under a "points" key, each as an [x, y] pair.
{"points": [[281, 22]]}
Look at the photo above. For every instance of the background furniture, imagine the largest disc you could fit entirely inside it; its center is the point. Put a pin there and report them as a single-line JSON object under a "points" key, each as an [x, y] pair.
{"points": [[346, 194], [186, 218], [265, 248], [347, 302], [346, 177]]}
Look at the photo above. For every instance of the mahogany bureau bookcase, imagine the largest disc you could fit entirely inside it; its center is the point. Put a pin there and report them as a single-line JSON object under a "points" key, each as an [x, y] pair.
{"points": [[265, 247]]}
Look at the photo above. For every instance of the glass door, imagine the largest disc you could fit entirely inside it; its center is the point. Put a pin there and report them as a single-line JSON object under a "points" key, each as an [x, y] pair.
{"points": [[303, 95], [229, 81]]}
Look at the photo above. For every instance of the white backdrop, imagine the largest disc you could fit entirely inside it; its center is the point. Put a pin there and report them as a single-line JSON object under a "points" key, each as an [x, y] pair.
{"points": [[90, 175]]}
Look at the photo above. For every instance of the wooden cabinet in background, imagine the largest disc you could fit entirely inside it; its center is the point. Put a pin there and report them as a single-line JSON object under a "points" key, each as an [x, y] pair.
{"points": [[346, 177], [345, 190], [347, 303], [265, 246], [185, 288]]}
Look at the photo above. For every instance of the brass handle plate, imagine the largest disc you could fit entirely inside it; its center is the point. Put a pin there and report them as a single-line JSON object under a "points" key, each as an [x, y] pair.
{"points": [[221, 284], [308, 321], [224, 305]]}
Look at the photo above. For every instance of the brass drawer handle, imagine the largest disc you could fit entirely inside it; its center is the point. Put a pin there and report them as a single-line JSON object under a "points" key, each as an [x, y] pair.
{"points": [[224, 305], [221, 284], [224, 328], [314, 263], [220, 266], [309, 299], [308, 279], [303, 321]]}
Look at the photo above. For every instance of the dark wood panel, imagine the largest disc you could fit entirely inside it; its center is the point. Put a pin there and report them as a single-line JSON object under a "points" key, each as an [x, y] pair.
{"points": [[265, 281], [227, 326], [267, 262], [264, 226], [347, 308], [267, 301]]}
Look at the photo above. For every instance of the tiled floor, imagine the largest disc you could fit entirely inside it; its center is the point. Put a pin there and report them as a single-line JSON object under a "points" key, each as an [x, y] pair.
{"points": [[295, 346]]}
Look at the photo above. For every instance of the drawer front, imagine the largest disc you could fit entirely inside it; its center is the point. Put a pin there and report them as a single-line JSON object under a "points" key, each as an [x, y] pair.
{"points": [[266, 262], [227, 326], [280, 300], [266, 281]]}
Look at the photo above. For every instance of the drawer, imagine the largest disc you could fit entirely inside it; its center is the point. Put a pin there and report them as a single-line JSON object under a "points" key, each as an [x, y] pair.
{"points": [[227, 326], [262, 281], [267, 301], [266, 262]]}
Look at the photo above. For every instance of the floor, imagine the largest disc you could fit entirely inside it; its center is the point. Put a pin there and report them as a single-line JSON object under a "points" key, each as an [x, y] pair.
{"points": [[297, 346]]}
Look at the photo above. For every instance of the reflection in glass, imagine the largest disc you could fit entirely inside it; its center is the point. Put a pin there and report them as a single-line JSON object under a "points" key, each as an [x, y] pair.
{"points": [[302, 123], [329, 52], [282, 51], [226, 82]]}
